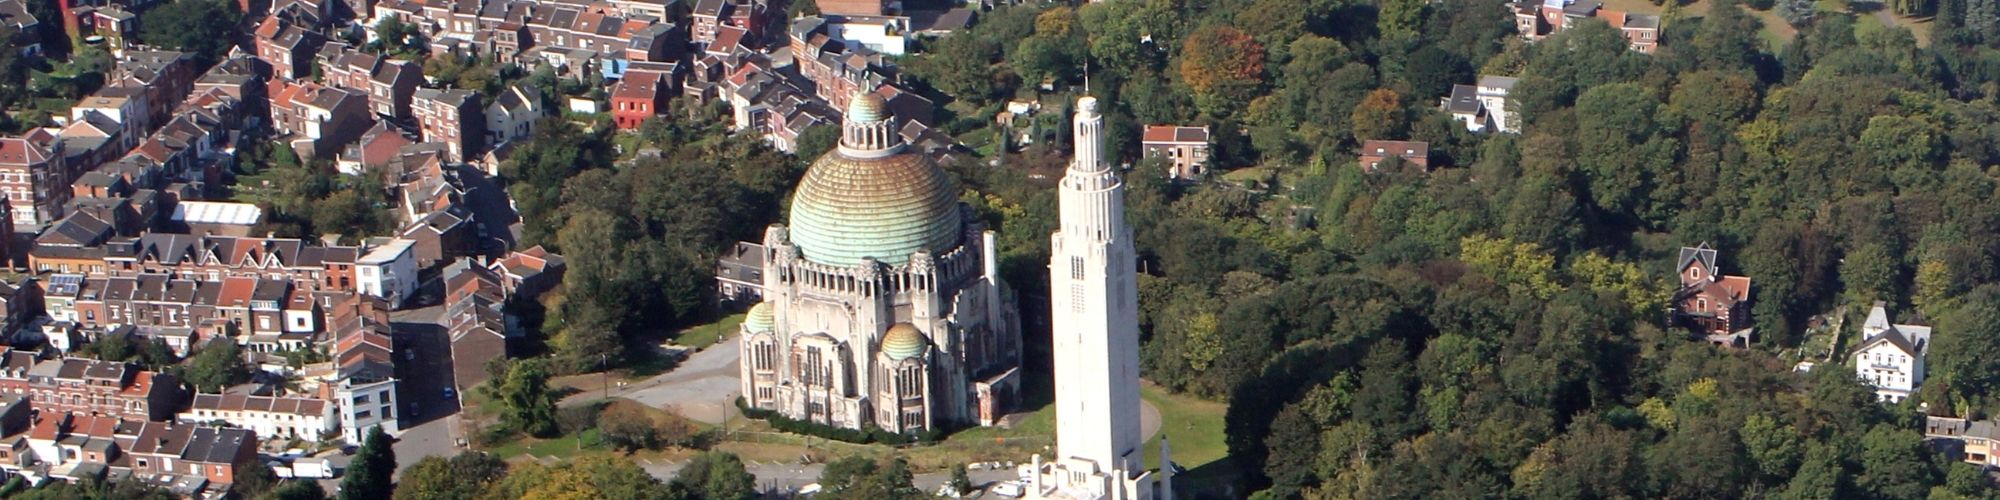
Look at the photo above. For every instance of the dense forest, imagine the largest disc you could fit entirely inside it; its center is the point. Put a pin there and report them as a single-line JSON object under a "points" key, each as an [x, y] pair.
{"points": [[1491, 328]]}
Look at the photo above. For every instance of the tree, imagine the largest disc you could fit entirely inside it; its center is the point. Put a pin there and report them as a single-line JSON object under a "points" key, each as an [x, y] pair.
{"points": [[1894, 463], [594, 476], [1798, 13], [369, 476], [959, 481], [218, 365], [1224, 67], [202, 28], [628, 425], [1775, 449], [816, 141], [1968, 360], [253, 478], [399, 39], [859, 477], [802, 8], [464, 475], [1380, 116], [530, 406], [299, 490], [1399, 20], [1432, 71], [963, 67], [715, 475]]}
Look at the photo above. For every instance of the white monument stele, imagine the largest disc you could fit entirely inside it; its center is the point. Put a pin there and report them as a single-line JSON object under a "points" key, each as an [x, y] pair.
{"points": [[1093, 289]]}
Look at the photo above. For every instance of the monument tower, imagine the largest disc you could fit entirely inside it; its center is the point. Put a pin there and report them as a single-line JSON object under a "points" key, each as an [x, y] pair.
{"points": [[1094, 299]]}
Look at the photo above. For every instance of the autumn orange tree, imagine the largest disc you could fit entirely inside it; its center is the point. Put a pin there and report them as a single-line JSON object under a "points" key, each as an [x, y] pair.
{"points": [[1380, 116], [1224, 67]]}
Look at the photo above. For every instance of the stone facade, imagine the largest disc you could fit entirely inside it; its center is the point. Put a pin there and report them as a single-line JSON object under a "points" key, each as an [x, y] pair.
{"points": [[882, 305]]}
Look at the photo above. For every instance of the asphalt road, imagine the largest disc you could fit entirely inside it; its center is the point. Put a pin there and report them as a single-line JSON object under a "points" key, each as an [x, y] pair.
{"points": [[704, 386], [429, 421]]}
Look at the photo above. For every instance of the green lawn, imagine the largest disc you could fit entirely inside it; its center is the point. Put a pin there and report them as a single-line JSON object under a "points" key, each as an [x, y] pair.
{"points": [[562, 448], [702, 336], [1194, 425]]}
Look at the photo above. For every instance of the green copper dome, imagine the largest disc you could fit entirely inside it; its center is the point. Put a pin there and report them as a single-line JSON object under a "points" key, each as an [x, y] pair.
{"points": [[867, 107], [760, 318], [903, 341], [871, 197]]}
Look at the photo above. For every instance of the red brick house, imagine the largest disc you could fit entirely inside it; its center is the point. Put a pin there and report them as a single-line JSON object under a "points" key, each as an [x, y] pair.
{"points": [[289, 49], [637, 97], [92, 387], [1373, 153], [1185, 148], [453, 117], [1710, 303], [34, 177]]}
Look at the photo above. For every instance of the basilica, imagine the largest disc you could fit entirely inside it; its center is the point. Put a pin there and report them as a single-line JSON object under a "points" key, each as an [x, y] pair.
{"points": [[882, 305]]}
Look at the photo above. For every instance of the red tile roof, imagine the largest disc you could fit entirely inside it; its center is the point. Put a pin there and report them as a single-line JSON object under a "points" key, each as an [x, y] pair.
{"points": [[1175, 133]]}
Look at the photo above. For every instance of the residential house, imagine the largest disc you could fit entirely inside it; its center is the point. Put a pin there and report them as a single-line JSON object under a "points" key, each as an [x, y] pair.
{"points": [[528, 273], [289, 48], [1483, 107], [1975, 442], [441, 235], [92, 387], [14, 14], [711, 16], [1374, 152], [321, 119], [478, 327], [34, 177], [389, 83], [388, 271], [1185, 148], [1538, 20], [1714, 305], [452, 117], [379, 146], [513, 114], [167, 76], [739, 274], [205, 457], [364, 378], [1891, 356], [638, 97], [1492, 94], [276, 417], [122, 104]]}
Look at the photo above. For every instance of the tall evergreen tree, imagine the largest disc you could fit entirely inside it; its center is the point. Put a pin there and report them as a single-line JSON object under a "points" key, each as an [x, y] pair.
{"points": [[369, 476]]}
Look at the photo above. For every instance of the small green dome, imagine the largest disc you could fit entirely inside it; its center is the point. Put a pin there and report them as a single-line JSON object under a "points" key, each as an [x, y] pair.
{"points": [[867, 107], [903, 341], [760, 318]]}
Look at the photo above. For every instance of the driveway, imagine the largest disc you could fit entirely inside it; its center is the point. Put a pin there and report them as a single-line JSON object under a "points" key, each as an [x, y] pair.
{"points": [[704, 386]]}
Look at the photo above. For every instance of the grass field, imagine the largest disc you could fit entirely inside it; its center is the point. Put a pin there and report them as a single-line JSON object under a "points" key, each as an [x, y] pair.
{"points": [[702, 336], [566, 447]]}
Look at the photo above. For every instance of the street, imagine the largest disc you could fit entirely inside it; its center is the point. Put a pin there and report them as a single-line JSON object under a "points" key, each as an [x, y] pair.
{"points": [[423, 363]]}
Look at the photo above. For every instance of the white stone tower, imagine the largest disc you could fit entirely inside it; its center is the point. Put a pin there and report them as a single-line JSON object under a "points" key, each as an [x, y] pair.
{"points": [[1094, 295], [1092, 274]]}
